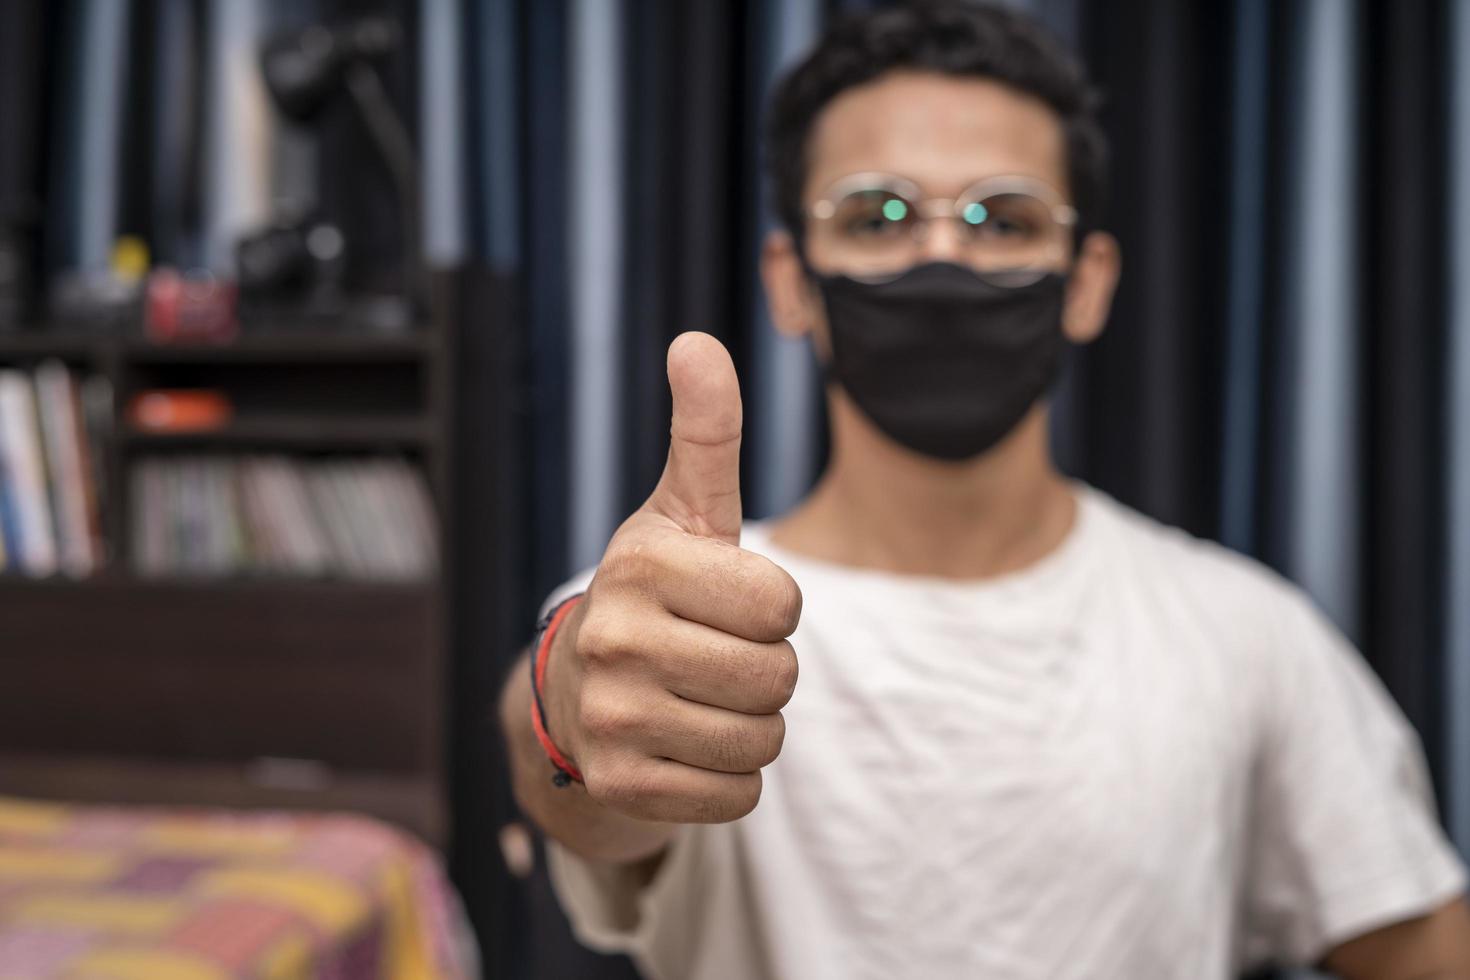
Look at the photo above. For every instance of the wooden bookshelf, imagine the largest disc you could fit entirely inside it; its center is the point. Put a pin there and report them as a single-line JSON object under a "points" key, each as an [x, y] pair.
{"points": [[205, 691], [279, 345], [407, 800], [324, 433]]}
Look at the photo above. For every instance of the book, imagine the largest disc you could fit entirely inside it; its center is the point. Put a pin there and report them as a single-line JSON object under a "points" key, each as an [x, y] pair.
{"points": [[3, 505], [9, 520], [97, 414], [89, 455], [150, 548], [26, 474], [273, 515], [60, 429], [329, 503], [306, 547]]}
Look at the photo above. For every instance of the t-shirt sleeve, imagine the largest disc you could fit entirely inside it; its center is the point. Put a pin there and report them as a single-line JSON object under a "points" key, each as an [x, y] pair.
{"points": [[577, 583], [1344, 835], [616, 909]]}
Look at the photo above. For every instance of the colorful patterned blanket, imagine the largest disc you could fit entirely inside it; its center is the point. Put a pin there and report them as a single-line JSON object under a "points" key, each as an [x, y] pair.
{"points": [[88, 893]]}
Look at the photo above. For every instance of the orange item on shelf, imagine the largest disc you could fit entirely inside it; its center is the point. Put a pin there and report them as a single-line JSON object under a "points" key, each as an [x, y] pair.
{"points": [[179, 410]]}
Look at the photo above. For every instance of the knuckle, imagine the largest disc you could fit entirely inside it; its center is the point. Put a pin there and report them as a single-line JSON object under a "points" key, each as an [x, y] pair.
{"points": [[773, 736], [777, 601], [776, 674], [606, 719], [627, 564], [788, 605], [604, 638]]}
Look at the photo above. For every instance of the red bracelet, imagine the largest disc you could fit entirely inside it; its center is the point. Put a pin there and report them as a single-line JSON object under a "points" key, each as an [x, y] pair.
{"points": [[566, 773]]}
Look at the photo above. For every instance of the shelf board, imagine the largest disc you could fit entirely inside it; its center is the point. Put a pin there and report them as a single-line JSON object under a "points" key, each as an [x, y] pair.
{"points": [[118, 581], [291, 432], [409, 800], [277, 346], [42, 343], [263, 346]]}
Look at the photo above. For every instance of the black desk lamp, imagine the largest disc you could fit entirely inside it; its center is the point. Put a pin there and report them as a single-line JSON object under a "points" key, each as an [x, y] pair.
{"points": [[305, 69]]}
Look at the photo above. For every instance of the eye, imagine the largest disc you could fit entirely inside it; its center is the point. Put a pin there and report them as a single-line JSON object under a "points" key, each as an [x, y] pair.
{"points": [[1006, 216], [873, 214], [869, 225], [1003, 225]]}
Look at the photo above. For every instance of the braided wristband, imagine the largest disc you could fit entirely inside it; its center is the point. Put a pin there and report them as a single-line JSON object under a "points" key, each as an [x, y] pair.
{"points": [[565, 773]]}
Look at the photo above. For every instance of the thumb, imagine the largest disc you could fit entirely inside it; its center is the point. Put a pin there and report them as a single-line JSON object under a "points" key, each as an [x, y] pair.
{"points": [[700, 488]]}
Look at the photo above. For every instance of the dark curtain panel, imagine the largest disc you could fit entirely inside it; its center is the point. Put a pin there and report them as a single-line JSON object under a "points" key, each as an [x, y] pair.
{"points": [[1144, 420], [682, 212], [490, 602], [652, 225], [1404, 290], [545, 275], [1192, 407]]}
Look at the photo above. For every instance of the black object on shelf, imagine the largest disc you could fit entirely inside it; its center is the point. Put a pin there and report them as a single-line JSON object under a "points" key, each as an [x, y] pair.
{"points": [[298, 263], [304, 71]]}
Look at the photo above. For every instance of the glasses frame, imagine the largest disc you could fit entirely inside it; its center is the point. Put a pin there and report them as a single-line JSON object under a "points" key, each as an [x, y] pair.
{"points": [[928, 209]]}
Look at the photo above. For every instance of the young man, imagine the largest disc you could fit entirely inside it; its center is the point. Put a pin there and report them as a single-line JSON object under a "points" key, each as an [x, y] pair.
{"points": [[1036, 734]]}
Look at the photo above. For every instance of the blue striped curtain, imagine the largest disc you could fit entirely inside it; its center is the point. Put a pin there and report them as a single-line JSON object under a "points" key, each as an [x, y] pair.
{"points": [[85, 205], [1287, 369], [1457, 429], [1272, 374], [1245, 290], [1318, 385], [595, 222], [1288, 364], [782, 395], [442, 122]]}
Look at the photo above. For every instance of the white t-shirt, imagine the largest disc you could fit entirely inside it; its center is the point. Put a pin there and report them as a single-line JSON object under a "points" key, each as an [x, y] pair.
{"points": [[1142, 757]]}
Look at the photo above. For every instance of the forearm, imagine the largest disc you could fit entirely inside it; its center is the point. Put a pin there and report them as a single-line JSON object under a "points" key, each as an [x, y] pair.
{"points": [[567, 814], [1432, 947]]}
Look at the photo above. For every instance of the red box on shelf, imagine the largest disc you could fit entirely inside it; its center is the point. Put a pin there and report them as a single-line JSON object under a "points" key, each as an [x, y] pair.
{"points": [[190, 309]]}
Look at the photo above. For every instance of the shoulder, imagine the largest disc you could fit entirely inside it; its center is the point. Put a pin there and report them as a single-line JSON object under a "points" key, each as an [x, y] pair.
{"points": [[1294, 665], [1195, 594], [1196, 575]]}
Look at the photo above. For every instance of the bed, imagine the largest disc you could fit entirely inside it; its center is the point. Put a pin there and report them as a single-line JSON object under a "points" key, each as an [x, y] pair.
{"points": [[130, 893]]}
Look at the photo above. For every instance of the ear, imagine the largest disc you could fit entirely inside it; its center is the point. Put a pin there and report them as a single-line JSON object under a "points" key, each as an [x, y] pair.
{"points": [[1091, 287], [788, 293]]}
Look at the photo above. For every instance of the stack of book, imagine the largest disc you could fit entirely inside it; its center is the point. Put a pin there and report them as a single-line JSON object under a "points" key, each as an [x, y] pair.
{"points": [[51, 485], [279, 516]]}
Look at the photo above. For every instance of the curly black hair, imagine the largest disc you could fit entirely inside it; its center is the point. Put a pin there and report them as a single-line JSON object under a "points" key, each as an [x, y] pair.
{"points": [[951, 37]]}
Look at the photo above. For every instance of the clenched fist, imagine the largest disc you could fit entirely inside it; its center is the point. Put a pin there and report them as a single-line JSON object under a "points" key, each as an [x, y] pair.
{"points": [[665, 685]]}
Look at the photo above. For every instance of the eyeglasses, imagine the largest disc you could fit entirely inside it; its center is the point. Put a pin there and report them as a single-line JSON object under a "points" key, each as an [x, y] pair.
{"points": [[1009, 229]]}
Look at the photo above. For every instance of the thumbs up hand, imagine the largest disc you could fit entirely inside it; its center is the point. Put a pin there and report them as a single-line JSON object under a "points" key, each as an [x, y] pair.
{"points": [[665, 684]]}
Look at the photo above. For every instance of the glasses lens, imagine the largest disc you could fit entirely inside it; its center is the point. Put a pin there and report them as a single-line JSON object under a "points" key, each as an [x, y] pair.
{"points": [[1010, 232], [872, 231]]}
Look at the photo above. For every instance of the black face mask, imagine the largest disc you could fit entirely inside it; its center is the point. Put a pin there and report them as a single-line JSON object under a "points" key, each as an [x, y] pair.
{"points": [[940, 360]]}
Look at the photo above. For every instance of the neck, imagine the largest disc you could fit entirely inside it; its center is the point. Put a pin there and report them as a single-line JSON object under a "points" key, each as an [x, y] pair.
{"points": [[879, 505]]}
